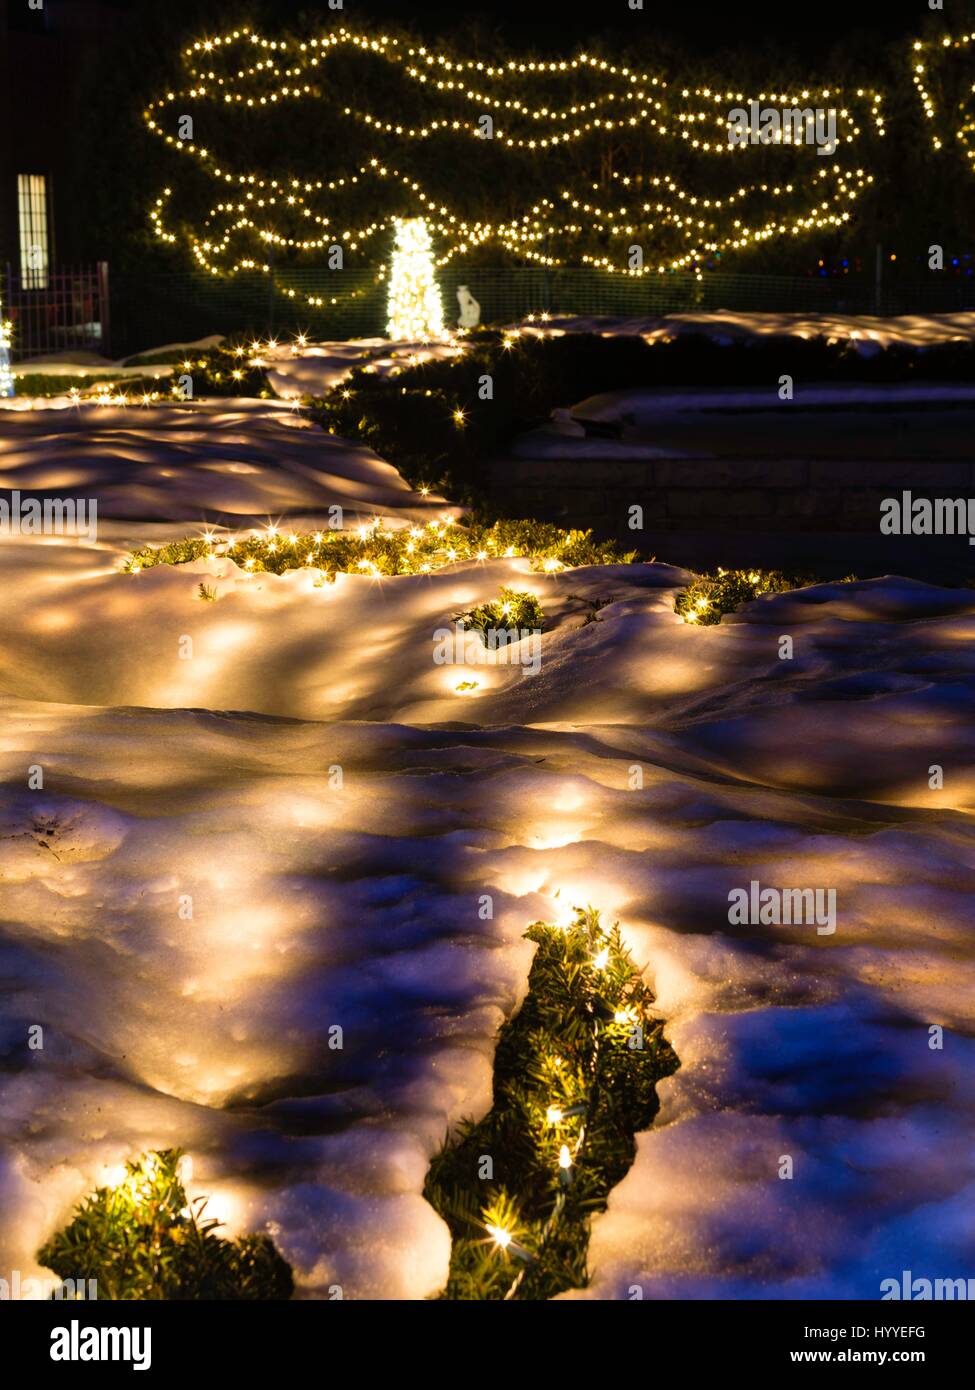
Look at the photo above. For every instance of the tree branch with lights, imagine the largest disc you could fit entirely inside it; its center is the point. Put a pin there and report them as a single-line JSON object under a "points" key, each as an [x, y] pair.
{"points": [[575, 1075], [532, 136]]}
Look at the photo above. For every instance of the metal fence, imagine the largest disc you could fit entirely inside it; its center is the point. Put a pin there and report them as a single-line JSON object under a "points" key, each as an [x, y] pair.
{"points": [[150, 310], [59, 310]]}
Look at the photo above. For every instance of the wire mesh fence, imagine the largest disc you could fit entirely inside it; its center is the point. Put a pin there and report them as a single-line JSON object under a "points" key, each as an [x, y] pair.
{"points": [[151, 309]]}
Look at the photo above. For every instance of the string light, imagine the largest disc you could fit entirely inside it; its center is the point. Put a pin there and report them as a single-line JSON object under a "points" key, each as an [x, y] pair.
{"points": [[379, 550], [579, 1086], [927, 59], [255, 211]]}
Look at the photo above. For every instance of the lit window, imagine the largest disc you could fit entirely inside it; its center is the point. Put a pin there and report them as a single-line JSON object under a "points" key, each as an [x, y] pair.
{"points": [[32, 210]]}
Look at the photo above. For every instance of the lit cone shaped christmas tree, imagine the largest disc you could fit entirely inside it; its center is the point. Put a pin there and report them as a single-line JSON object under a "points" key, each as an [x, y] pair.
{"points": [[415, 310]]}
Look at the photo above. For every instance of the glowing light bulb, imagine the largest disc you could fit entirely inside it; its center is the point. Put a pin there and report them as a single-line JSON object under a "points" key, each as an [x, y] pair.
{"points": [[500, 1236], [601, 961], [553, 1115], [565, 1158]]}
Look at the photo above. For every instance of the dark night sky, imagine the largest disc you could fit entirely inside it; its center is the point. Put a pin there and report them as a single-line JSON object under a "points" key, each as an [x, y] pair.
{"points": [[810, 29], [705, 27]]}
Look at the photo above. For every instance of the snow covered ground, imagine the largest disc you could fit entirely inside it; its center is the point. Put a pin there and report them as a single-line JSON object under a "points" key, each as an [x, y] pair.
{"points": [[321, 366], [309, 369], [334, 808], [73, 362], [318, 367], [870, 333], [646, 406], [235, 462]]}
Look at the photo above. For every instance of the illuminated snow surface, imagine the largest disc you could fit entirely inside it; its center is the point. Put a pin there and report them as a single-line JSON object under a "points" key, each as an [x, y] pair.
{"points": [[316, 905], [868, 332]]}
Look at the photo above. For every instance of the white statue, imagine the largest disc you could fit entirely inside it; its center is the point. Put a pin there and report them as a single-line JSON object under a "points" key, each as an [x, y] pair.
{"points": [[470, 310]]}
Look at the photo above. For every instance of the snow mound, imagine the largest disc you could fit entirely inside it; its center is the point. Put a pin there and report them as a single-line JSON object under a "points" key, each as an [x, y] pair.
{"points": [[867, 332], [234, 462], [315, 368]]}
